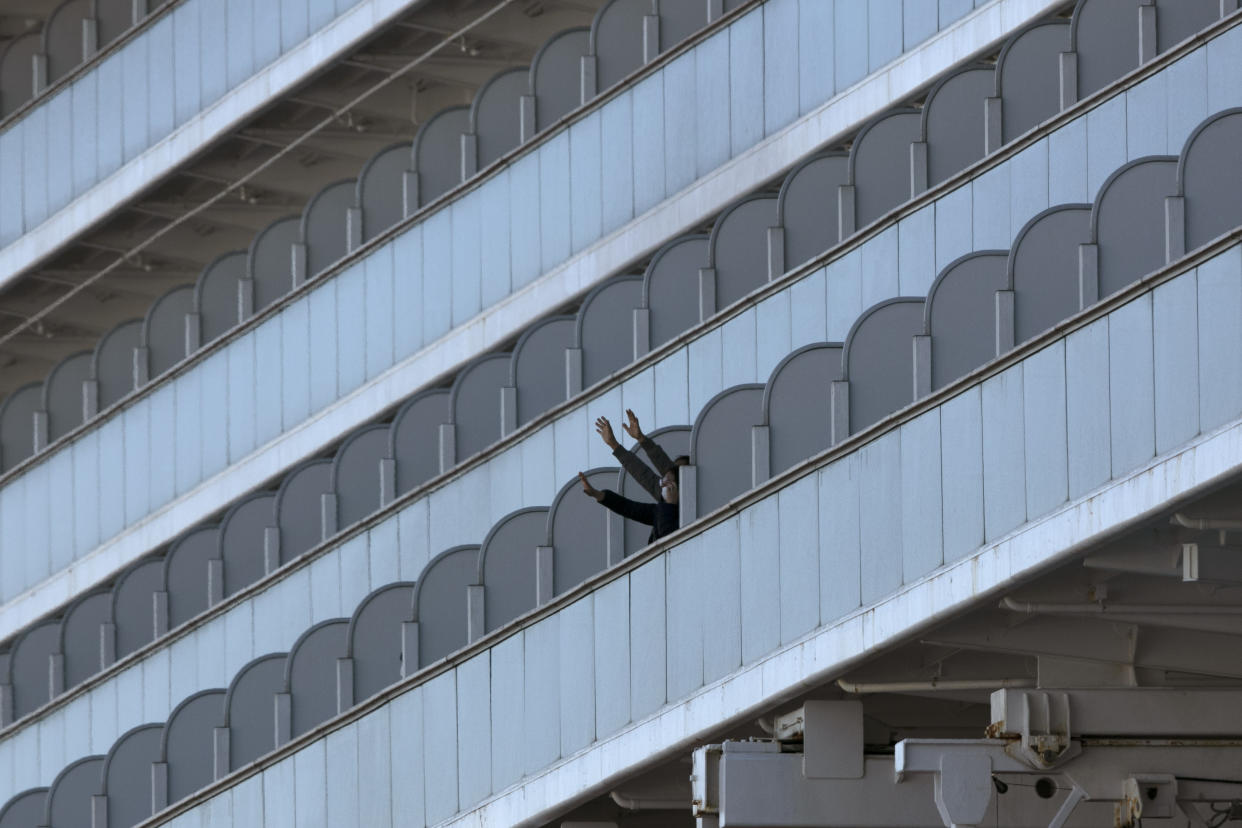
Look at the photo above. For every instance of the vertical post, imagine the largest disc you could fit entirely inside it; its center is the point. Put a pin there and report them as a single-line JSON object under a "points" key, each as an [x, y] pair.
{"points": [[409, 193], [344, 684], [215, 581], [448, 446], [387, 480], [616, 537], [1004, 322], [107, 645], [1088, 275], [642, 332], [707, 293], [142, 366], [1069, 79], [220, 751], [6, 705], [687, 495], [918, 168], [283, 716], [993, 137], [1147, 30], [845, 212], [409, 648], [922, 366], [193, 333], [90, 38], [159, 613], [508, 410], [271, 549], [38, 74], [526, 118], [55, 674], [1174, 228], [776, 253], [586, 88], [760, 454], [573, 372], [469, 155], [474, 612], [99, 811], [651, 38], [245, 299], [90, 399], [544, 575], [715, 10], [159, 786], [839, 410], [39, 421], [327, 515], [297, 265], [353, 229]]}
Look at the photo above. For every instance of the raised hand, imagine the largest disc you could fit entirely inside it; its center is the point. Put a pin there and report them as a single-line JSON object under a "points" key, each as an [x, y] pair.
{"points": [[632, 428], [604, 429], [588, 489]]}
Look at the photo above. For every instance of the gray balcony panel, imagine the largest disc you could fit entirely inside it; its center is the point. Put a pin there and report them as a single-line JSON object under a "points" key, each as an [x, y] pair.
{"points": [[186, 745], [299, 507], [62, 394], [879, 165], [1210, 178], [356, 473], [270, 260], [961, 314], [495, 116], [17, 424], [415, 438], [25, 809], [17, 71], [133, 610], [577, 531], [533, 369], [507, 565], [438, 600], [807, 209], [1104, 35], [800, 384], [1128, 222], [29, 667], [437, 153], [80, 636], [474, 404], [738, 250], [310, 674], [380, 190], [113, 362], [126, 775], [242, 534], [216, 297], [617, 40], [1028, 77], [1043, 269], [324, 228], [671, 287], [249, 709], [164, 331], [62, 37], [604, 327], [877, 360], [953, 122], [185, 573], [555, 76], [1177, 20], [722, 429], [69, 797], [374, 638]]}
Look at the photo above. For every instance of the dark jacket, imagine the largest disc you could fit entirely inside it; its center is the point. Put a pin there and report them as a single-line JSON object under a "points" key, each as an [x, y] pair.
{"points": [[663, 518]]}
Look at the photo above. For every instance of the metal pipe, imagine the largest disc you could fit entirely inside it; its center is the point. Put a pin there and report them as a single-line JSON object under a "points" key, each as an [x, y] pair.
{"points": [[856, 688], [634, 803], [1205, 523], [1100, 608]]}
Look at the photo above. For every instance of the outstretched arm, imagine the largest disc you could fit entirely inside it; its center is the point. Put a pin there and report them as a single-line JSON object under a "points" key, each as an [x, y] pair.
{"points": [[634, 467], [657, 455], [623, 506]]}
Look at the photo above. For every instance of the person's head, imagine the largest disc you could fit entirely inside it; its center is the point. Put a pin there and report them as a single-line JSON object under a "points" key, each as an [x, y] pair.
{"points": [[681, 460], [668, 486]]}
